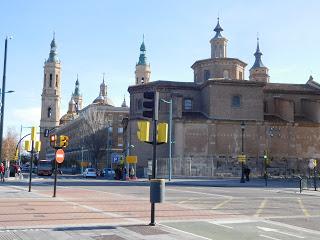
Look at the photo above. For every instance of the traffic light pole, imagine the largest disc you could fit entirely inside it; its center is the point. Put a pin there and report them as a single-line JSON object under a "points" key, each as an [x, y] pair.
{"points": [[55, 177], [31, 162], [154, 170]]}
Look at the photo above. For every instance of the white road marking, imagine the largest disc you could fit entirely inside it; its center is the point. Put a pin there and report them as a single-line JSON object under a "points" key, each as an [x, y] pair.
{"points": [[277, 231], [265, 236], [192, 234], [221, 225], [201, 193], [295, 228]]}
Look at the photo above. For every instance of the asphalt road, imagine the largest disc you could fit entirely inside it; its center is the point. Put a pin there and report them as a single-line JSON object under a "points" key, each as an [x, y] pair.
{"points": [[201, 209]]}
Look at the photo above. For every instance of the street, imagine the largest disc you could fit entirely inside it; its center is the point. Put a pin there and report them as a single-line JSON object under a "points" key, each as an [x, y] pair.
{"points": [[194, 209]]}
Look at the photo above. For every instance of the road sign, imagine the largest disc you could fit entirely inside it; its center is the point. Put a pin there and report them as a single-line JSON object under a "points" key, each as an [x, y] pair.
{"points": [[60, 156], [132, 159], [242, 158], [312, 163], [116, 157]]}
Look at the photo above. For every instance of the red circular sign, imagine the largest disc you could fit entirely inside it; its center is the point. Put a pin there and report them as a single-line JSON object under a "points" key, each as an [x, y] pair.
{"points": [[59, 156]]}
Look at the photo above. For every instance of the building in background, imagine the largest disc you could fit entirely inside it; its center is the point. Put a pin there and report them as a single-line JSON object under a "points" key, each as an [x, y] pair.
{"points": [[280, 120]]}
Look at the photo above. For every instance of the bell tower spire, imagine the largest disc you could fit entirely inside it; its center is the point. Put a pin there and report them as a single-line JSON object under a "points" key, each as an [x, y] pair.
{"points": [[218, 43], [143, 70], [51, 94], [258, 71]]}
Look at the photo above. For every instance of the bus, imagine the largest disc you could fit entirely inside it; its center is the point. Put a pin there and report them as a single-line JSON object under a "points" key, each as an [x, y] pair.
{"points": [[45, 167]]}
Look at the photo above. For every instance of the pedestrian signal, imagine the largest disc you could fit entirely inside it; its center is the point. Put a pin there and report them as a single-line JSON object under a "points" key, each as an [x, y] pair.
{"points": [[162, 133], [46, 132], [143, 131], [64, 141]]}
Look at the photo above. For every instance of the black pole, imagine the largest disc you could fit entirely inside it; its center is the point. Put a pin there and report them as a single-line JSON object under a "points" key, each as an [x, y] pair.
{"points": [[31, 162], [3, 92], [154, 160], [315, 178], [154, 170], [55, 177], [242, 151]]}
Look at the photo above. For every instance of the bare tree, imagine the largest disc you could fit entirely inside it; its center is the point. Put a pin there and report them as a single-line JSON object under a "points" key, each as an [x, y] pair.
{"points": [[9, 145], [94, 131]]}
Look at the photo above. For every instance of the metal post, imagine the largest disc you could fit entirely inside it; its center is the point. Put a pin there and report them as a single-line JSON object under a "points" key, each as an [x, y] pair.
{"points": [[81, 159], [31, 162], [154, 160], [315, 178], [242, 151], [3, 92], [170, 141], [55, 177]]}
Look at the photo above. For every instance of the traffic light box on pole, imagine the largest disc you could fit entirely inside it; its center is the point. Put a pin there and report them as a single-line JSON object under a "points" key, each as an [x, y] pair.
{"points": [[151, 105], [53, 141], [64, 141], [143, 131], [162, 136]]}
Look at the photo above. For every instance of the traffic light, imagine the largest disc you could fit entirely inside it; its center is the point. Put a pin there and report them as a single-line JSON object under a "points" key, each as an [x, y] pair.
{"points": [[162, 136], [64, 141], [53, 140], [37, 146], [27, 145], [151, 105], [16, 155], [46, 132], [143, 131], [33, 133]]}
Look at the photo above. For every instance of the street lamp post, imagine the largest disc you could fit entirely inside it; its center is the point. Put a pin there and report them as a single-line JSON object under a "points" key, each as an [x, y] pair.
{"points": [[3, 93], [242, 125], [170, 138]]}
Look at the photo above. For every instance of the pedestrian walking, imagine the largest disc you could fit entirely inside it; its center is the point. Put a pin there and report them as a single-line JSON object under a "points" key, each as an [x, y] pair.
{"points": [[247, 173], [2, 170]]}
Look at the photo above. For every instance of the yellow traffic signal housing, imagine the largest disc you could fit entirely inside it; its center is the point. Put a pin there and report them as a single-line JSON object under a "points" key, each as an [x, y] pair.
{"points": [[53, 140], [33, 133], [64, 141], [38, 146], [143, 131], [27, 145], [16, 156], [162, 136]]}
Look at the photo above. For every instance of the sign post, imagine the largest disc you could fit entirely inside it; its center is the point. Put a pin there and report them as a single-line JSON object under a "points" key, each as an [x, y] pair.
{"points": [[59, 159]]}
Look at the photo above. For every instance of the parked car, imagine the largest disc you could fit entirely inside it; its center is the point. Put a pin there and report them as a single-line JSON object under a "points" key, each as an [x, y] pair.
{"points": [[90, 172], [108, 172]]}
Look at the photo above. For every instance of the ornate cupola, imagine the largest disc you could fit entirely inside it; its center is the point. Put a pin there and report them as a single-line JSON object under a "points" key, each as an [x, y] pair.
{"points": [[53, 55], [77, 96], [218, 43], [258, 71], [143, 71]]}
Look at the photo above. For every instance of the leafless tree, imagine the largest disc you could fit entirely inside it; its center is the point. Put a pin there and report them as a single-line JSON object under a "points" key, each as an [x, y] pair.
{"points": [[94, 131], [9, 145]]}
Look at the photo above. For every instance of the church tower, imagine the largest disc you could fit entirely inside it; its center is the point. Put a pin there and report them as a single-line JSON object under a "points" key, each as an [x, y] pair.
{"points": [[259, 72], [51, 95], [77, 97], [143, 70], [218, 43]]}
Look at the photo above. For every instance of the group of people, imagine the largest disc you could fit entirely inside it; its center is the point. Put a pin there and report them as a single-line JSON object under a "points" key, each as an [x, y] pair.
{"points": [[121, 172]]}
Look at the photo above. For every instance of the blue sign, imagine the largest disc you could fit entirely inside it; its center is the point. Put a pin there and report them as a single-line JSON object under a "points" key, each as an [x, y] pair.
{"points": [[115, 157]]}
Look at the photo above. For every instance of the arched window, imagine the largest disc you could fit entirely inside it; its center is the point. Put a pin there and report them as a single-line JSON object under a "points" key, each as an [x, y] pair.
{"points": [[226, 74], [44, 80], [57, 80], [49, 112], [50, 82], [265, 107], [206, 75]]}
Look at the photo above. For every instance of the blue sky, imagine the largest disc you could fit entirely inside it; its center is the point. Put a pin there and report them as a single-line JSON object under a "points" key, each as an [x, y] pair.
{"points": [[104, 36]]}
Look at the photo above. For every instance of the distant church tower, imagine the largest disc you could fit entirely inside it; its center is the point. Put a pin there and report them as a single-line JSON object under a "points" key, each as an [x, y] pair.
{"points": [[77, 97], [51, 95], [143, 70], [259, 72], [218, 43]]}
